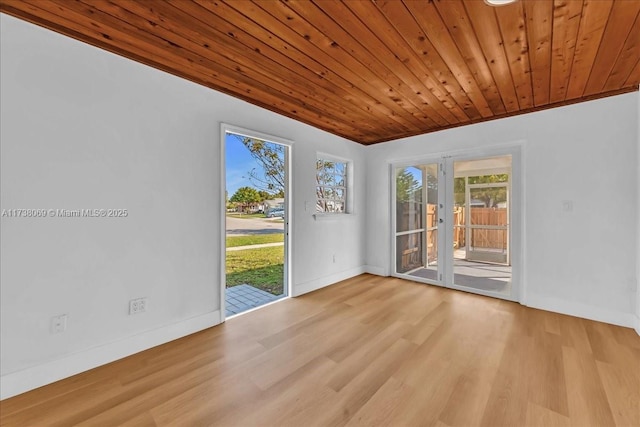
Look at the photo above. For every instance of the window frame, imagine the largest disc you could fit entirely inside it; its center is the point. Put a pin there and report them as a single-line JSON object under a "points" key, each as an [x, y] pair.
{"points": [[347, 188]]}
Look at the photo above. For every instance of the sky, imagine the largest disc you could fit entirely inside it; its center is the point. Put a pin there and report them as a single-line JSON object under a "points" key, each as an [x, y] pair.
{"points": [[238, 165]]}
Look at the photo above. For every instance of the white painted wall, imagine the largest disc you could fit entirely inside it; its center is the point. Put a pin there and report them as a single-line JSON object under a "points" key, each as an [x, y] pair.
{"points": [[82, 128], [637, 326], [583, 263]]}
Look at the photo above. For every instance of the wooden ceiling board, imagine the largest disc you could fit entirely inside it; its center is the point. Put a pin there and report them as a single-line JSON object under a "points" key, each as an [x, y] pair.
{"points": [[173, 57], [433, 33], [427, 62], [224, 56], [623, 16], [322, 46], [402, 25], [627, 57], [258, 40], [512, 23], [566, 22], [634, 77], [457, 22], [372, 70], [485, 27], [399, 85], [299, 79], [539, 24], [353, 71], [595, 14], [426, 85]]}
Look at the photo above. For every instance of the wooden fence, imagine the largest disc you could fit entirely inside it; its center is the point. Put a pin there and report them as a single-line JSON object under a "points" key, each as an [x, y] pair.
{"points": [[481, 238], [409, 216]]}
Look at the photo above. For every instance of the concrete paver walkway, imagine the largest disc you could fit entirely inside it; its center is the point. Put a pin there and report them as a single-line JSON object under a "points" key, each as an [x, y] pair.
{"points": [[241, 298]]}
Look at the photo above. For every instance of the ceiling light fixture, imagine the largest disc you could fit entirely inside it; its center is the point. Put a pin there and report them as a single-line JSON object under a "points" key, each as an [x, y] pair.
{"points": [[499, 2]]}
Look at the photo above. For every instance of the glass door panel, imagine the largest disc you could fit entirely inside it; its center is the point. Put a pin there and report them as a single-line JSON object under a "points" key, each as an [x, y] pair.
{"points": [[409, 255], [416, 221], [489, 224], [481, 258]]}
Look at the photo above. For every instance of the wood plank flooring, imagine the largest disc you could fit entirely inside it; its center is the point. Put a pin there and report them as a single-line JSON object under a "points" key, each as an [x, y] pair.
{"points": [[364, 352]]}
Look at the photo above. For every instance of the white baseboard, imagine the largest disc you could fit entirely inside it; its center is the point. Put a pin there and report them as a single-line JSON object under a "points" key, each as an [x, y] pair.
{"points": [[316, 284], [28, 379], [373, 269], [637, 327], [581, 310]]}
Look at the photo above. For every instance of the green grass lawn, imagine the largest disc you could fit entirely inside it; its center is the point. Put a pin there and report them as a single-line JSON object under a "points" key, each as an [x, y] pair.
{"points": [[262, 268], [255, 239]]}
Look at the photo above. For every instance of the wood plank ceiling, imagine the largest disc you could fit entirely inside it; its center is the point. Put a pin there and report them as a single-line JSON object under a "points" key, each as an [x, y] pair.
{"points": [[376, 70]]}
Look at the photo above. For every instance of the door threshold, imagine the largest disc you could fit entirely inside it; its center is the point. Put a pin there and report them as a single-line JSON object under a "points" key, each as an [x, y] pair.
{"points": [[233, 316]]}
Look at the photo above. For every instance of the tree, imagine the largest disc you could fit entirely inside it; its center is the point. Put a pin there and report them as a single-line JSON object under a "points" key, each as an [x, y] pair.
{"points": [[331, 185], [459, 191], [490, 196], [323, 178], [270, 156], [246, 196], [407, 187]]}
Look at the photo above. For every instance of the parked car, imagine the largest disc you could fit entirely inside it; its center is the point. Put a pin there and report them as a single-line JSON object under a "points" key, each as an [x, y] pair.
{"points": [[275, 213]]}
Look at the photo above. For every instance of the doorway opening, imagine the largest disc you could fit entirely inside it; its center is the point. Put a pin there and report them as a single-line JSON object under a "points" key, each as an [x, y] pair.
{"points": [[481, 256], [454, 225], [255, 261]]}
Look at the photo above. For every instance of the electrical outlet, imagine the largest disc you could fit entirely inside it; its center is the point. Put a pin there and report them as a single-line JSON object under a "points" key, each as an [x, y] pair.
{"points": [[137, 306], [59, 324], [567, 206]]}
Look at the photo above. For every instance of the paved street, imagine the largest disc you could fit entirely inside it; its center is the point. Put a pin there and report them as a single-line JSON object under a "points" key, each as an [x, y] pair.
{"points": [[244, 226]]}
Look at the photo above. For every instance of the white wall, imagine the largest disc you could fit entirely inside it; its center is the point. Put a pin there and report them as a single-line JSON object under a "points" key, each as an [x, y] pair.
{"points": [[82, 128], [637, 326], [583, 263]]}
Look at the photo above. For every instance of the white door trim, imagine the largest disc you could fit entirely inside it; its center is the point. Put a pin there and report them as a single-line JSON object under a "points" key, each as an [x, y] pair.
{"points": [[441, 266], [288, 190]]}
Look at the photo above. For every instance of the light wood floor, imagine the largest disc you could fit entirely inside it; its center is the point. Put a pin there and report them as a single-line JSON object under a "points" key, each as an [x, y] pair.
{"points": [[367, 351]]}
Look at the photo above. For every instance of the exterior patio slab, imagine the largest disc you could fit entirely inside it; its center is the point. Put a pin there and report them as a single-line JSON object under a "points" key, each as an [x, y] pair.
{"points": [[244, 297]]}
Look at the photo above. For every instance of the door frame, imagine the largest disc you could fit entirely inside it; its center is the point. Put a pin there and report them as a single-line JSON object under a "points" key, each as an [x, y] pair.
{"points": [[516, 212], [445, 197], [288, 206], [441, 202]]}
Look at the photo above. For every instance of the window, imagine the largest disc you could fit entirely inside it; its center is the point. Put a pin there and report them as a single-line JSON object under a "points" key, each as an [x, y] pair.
{"points": [[331, 185]]}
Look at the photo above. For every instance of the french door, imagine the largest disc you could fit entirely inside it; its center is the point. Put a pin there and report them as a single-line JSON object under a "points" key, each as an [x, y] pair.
{"points": [[456, 222]]}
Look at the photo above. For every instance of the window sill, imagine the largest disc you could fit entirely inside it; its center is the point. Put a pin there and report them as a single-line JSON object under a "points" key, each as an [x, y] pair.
{"points": [[332, 216]]}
